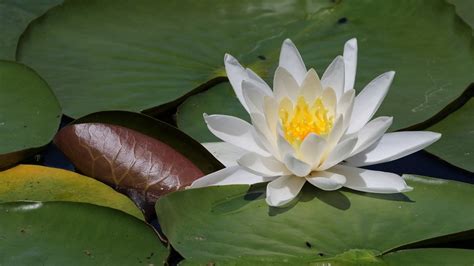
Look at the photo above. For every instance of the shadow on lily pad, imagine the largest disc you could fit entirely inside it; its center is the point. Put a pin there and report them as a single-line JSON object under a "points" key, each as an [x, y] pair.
{"points": [[391, 197], [336, 199]]}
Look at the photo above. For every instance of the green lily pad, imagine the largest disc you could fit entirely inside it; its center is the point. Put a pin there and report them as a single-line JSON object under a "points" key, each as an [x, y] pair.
{"points": [[464, 9], [456, 145], [430, 256], [189, 114], [423, 256], [230, 222], [29, 113], [174, 51], [39, 183], [15, 16], [66, 233], [119, 67]]}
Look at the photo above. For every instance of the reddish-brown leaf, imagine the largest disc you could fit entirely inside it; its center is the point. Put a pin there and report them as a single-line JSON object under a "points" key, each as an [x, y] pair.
{"points": [[139, 165]]}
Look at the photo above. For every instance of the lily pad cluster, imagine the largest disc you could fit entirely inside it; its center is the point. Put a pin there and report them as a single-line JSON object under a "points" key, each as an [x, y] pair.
{"points": [[119, 87]]}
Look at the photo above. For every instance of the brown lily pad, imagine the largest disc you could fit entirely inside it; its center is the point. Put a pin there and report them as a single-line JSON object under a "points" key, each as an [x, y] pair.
{"points": [[143, 167]]}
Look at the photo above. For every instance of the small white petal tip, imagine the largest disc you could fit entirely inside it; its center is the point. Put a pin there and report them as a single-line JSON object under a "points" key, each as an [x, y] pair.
{"points": [[288, 41], [436, 135], [352, 42], [229, 59]]}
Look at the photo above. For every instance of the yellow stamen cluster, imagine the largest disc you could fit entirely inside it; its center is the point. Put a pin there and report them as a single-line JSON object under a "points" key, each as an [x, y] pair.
{"points": [[304, 119]]}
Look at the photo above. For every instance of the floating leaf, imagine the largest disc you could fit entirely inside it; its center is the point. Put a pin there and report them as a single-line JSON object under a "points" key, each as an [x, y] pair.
{"points": [[190, 113], [66, 233], [39, 183], [230, 222], [15, 16], [430, 256], [426, 256], [158, 64], [157, 129], [456, 145], [136, 163], [464, 9], [29, 113]]}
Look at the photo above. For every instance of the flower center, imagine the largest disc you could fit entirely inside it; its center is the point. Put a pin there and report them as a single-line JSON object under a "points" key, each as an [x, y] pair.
{"points": [[303, 119]]}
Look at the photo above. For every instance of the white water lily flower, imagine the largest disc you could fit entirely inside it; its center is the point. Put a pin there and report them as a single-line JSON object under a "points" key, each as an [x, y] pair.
{"points": [[309, 130]]}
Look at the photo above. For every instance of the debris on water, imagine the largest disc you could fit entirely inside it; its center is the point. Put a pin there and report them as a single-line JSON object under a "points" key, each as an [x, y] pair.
{"points": [[342, 20]]}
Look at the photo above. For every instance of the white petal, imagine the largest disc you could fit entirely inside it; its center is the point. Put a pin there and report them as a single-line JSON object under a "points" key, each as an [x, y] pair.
{"points": [[262, 131], [235, 131], [256, 78], [284, 85], [287, 105], [326, 180], [226, 153], [312, 149], [333, 77], [291, 60], [253, 96], [329, 99], [393, 146], [350, 63], [311, 87], [283, 146], [283, 190], [270, 110], [345, 107], [371, 181], [296, 166], [234, 175], [346, 101], [336, 133], [265, 166], [371, 133], [339, 153], [236, 74], [368, 101]]}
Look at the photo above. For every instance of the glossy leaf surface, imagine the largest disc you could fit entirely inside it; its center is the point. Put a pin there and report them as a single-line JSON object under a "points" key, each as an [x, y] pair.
{"points": [[39, 183], [425, 256], [29, 113], [220, 99], [157, 129], [155, 63], [230, 222], [457, 144], [144, 167], [464, 9], [430, 256], [15, 15], [65, 233], [120, 67]]}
